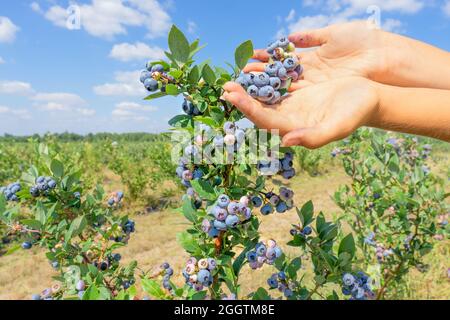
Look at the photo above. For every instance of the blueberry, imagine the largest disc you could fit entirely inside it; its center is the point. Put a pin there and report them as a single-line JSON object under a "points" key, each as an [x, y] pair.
{"points": [[145, 75], [77, 195], [250, 78], [281, 207], [278, 252], [220, 213], [273, 283], [120, 195], [283, 74], [26, 245], [126, 285], [283, 43], [266, 209], [240, 135], [251, 256], [40, 180], [346, 291], [266, 93], [261, 249], [286, 164], [117, 257], [220, 225], [348, 279], [166, 285], [188, 107], [203, 276], [376, 196], [262, 79], [111, 202], [307, 230], [229, 127], [272, 69], [218, 141], [223, 201], [151, 84], [288, 293], [55, 264], [157, 68], [232, 221], [104, 265], [290, 64], [256, 201], [213, 233], [253, 91], [52, 184], [15, 188], [80, 286], [242, 81], [281, 276], [233, 208], [289, 174], [35, 297], [275, 83]]}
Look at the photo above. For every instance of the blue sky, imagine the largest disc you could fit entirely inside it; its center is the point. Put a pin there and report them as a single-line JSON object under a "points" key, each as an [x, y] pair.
{"points": [[54, 79]]}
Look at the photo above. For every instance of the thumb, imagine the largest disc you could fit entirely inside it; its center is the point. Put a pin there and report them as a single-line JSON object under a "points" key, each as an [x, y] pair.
{"points": [[317, 136], [310, 38]]}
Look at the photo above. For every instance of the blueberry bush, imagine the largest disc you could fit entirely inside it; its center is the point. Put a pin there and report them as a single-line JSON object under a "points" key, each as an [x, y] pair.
{"points": [[395, 205]]}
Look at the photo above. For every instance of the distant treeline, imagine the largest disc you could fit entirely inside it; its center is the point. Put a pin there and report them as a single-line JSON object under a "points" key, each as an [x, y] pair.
{"points": [[91, 137]]}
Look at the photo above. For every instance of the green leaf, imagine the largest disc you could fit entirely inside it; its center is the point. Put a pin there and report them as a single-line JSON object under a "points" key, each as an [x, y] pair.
{"points": [[178, 45], [32, 223], [180, 121], [204, 189], [188, 242], [347, 245], [243, 53], [208, 121], [261, 294], [92, 293], [155, 95], [293, 267], [152, 288], [172, 90], [199, 295], [188, 210], [208, 74], [57, 168], [76, 227], [13, 249], [194, 75], [306, 213]]}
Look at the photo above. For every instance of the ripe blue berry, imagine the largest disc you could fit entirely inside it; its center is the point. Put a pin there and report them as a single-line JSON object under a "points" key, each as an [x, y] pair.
{"points": [[242, 81], [220, 225], [307, 231], [250, 78], [203, 276], [52, 184], [151, 84], [283, 74], [281, 207], [348, 279], [266, 210], [257, 201], [262, 80], [272, 69], [232, 221], [223, 201], [289, 174], [283, 43], [35, 297], [290, 64], [220, 213], [275, 83], [26, 245], [229, 127], [145, 75], [80, 286], [266, 93], [157, 68], [273, 283], [213, 233], [261, 249], [253, 91], [251, 256]]}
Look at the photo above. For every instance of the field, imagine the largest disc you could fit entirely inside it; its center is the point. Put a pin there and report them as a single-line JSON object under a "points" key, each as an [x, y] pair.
{"points": [[143, 171]]}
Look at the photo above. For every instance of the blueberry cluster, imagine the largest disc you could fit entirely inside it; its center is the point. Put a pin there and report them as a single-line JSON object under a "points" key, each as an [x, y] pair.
{"points": [[129, 227], [273, 202], [155, 77], [47, 294], [43, 186], [233, 138], [187, 174], [338, 151], [426, 151], [10, 191], [264, 253], [443, 219], [381, 251], [357, 286], [284, 65], [283, 166], [168, 273], [115, 199], [198, 274], [227, 215], [279, 281], [190, 109]]}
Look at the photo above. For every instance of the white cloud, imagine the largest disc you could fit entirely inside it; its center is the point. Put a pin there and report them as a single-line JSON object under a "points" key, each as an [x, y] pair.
{"points": [[15, 88], [126, 111], [127, 84], [36, 7], [8, 30], [107, 19], [338, 11], [62, 102], [2, 61], [19, 113], [192, 27], [446, 8], [138, 51]]}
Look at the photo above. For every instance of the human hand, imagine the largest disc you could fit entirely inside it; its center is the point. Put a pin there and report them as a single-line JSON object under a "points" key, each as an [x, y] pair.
{"points": [[359, 49], [314, 116]]}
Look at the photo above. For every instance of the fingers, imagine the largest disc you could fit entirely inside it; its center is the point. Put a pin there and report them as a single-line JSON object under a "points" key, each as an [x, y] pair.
{"points": [[316, 137], [261, 55], [300, 84], [253, 110], [255, 67], [310, 38]]}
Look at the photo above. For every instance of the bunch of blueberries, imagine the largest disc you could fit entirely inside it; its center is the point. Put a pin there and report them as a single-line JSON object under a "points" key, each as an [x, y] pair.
{"points": [[227, 215], [47, 294], [281, 203], [283, 66], [357, 286], [264, 253], [338, 151], [279, 281], [129, 227], [115, 198], [198, 274], [380, 250], [186, 174], [80, 287], [153, 76], [234, 137], [10, 191], [283, 166], [43, 186], [168, 273]]}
